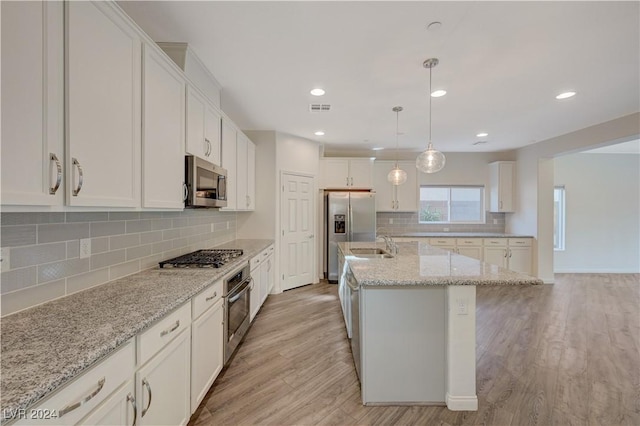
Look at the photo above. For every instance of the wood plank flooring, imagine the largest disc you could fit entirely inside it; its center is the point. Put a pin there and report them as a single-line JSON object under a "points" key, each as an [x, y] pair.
{"points": [[562, 354]]}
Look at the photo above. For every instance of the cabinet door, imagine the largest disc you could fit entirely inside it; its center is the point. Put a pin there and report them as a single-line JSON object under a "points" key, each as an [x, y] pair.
{"points": [[229, 151], [206, 352], [496, 256], [443, 243], [335, 173], [264, 279], [385, 192], [119, 409], [212, 134], [272, 273], [251, 175], [32, 103], [520, 259], [103, 107], [241, 172], [196, 144], [163, 385], [254, 300], [361, 173], [163, 135], [502, 176], [474, 252], [407, 193]]}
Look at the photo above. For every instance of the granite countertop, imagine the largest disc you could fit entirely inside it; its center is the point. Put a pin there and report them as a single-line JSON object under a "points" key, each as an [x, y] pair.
{"points": [[46, 346], [461, 235], [422, 264]]}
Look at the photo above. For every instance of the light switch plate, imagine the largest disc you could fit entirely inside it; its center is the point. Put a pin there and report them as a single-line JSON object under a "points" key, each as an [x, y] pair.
{"points": [[85, 248], [4, 255], [463, 306]]}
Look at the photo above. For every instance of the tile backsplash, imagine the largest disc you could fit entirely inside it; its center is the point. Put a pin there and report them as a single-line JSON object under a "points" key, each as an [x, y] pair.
{"points": [[41, 251], [408, 222]]}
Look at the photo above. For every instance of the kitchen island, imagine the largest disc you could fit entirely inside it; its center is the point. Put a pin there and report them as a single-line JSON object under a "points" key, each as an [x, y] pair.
{"points": [[411, 319]]}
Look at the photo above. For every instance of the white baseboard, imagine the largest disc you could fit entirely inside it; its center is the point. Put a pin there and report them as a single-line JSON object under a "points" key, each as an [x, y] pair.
{"points": [[462, 403], [596, 271]]}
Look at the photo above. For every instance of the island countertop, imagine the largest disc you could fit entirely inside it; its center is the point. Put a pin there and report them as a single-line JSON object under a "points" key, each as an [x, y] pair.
{"points": [[420, 264]]}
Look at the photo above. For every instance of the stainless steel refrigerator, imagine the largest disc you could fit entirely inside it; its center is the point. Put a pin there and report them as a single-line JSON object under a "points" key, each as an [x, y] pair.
{"points": [[349, 216]]}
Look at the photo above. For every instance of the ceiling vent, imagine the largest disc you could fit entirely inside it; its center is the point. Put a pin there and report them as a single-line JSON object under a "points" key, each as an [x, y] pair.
{"points": [[319, 107]]}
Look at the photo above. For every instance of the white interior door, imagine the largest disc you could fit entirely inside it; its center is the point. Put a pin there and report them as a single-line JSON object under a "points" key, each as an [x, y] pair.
{"points": [[297, 230]]}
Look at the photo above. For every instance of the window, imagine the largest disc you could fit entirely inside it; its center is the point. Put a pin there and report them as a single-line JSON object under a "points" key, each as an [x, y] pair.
{"points": [[451, 204], [558, 217]]}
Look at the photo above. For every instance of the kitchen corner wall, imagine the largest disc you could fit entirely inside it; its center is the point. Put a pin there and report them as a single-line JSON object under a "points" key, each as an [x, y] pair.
{"points": [[404, 223], [43, 249]]}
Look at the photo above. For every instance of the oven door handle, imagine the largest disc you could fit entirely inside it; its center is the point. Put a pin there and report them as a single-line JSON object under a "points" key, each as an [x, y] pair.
{"points": [[245, 288]]}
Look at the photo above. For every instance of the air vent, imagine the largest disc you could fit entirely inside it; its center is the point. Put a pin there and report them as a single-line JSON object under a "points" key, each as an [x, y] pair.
{"points": [[479, 142], [319, 107]]}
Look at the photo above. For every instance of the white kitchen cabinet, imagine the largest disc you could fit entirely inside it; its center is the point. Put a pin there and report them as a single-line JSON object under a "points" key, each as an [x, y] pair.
{"points": [[347, 173], [207, 346], [103, 115], [392, 198], [272, 270], [511, 253], [32, 103], [242, 147], [444, 243], [251, 176], [119, 409], [203, 128], [502, 178], [229, 154], [267, 274], [163, 384], [163, 134], [256, 284], [470, 247]]}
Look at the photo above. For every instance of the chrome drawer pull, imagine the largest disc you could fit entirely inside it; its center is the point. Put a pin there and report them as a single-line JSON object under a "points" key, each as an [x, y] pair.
{"points": [[148, 386], [84, 400], [132, 400], [54, 188], [77, 189], [215, 293], [170, 330]]}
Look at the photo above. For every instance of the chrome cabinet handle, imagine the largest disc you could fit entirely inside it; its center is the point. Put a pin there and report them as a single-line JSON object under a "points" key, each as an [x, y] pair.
{"points": [[84, 400], [351, 181], [510, 253], [505, 253], [500, 204], [146, 384], [132, 400], [215, 293], [209, 147], [77, 189], [248, 201], [170, 330], [54, 188]]}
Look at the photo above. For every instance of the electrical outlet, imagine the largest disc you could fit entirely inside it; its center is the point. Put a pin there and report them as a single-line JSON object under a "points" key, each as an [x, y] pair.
{"points": [[463, 306], [446, 229], [391, 221], [212, 227], [495, 221], [85, 248], [4, 259]]}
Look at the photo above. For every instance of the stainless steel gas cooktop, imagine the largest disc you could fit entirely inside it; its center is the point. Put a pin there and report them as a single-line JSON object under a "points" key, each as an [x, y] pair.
{"points": [[212, 258]]}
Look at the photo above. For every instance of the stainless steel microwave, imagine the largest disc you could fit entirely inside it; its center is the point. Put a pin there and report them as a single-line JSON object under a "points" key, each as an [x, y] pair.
{"points": [[205, 183]]}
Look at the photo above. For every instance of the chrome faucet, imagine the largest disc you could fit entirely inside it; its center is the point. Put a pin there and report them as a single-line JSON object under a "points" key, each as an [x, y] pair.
{"points": [[391, 245]]}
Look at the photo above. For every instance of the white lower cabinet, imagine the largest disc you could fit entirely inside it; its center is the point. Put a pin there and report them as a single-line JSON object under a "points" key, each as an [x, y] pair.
{"points": [[511, 253], [256, 283], [470, 247], [119, 409], [263, 275], [163, 385]]}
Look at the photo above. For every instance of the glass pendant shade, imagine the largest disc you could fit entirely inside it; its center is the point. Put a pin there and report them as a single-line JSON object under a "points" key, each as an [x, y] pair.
{"points": [[430, 161], [397, 176]]}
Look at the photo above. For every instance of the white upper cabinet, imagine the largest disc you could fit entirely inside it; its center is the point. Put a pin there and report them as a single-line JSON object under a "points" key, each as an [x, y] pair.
{"points": [[32, 103], [163, 132], [242, 146], [348, 173], [391, 198], [251, 176], [103, 112], [502, 175], [229, 135], [203, 128]]}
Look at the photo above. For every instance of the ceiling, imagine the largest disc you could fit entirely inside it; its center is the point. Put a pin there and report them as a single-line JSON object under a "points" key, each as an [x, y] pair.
{"points": [[631, 147], [502, 64]]}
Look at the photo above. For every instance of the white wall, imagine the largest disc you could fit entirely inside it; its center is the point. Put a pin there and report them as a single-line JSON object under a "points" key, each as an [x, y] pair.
{"points": [[535, 177], [603, 213]]}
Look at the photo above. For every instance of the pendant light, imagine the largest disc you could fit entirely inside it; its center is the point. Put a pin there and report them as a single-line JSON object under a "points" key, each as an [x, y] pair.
{"points": [[431, 160], [397, 176]]}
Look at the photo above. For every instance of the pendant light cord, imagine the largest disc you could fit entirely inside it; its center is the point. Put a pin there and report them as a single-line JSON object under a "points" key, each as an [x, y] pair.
{"points": [[397, 118], [430, 71]]}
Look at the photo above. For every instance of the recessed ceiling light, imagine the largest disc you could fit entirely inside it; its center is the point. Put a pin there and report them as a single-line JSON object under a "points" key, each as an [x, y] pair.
{"points": [[438, 93], [319, 133], [565, 95], [378, 148], [317, 92], [482, 135]]}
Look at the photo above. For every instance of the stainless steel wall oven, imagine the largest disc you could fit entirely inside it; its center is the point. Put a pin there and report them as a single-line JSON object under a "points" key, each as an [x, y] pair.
{"points": [[237, 305]]}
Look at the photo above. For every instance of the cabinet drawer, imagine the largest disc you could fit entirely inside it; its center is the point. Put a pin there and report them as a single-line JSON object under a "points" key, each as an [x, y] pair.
{"points": [[476, 242], [207, 298], [495, 242], [86, 392], [520, 242], [256, 261], [154, 339], [271, 249], [442, 241]]}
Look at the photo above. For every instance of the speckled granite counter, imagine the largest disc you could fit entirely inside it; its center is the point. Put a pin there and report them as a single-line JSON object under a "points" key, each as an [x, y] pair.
{"points": [[422, 264], [46, 346], [459, 235]]}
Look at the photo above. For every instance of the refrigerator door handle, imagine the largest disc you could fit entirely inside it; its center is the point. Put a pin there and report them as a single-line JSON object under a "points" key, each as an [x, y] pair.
{"points": [[349, 222]]}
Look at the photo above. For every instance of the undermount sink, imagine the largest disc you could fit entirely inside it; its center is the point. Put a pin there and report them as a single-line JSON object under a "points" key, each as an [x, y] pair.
{"points": [[374, 253]]}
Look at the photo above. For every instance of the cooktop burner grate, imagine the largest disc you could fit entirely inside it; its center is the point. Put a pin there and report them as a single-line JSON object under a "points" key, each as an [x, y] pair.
{"points": [[213, 258]]}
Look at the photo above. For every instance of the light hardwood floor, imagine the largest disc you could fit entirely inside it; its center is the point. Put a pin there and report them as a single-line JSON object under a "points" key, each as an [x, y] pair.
{"points": [[562, 354]]}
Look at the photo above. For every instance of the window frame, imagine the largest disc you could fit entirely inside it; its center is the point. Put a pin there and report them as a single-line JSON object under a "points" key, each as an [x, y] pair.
{"points": [[482, 219], [560, 223]]}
